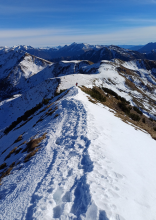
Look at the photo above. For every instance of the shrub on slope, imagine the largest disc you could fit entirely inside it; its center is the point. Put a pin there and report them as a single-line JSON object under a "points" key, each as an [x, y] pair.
{"points": [[96, 94], [125, 111]]}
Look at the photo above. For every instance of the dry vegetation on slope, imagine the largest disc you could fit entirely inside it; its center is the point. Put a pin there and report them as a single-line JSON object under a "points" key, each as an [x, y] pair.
{"points": [[28, 148], [122, 108], [136, 82]]}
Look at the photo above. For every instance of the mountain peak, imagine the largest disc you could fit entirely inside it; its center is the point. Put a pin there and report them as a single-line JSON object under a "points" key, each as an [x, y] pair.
{"points": [[73, 43]]}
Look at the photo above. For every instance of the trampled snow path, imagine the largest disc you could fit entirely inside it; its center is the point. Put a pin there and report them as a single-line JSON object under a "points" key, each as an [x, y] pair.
{"points": [[58, 191], [53, 185], [92, 166]]}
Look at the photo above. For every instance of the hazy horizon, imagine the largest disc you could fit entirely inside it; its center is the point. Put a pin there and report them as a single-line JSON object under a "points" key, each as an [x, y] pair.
{"points": [[53, 23]]}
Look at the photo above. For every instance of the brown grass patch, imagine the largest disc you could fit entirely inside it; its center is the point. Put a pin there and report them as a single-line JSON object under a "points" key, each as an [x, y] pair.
{"points": [[90, 62], [33, 146], [33, 143], [45, 108], [7, 171], [49, 112], [147, 125], [42, 110], [56, 115], [150, 64], [112, 103], [41, 119], [131, 85], [11, 152], [24, 142], [111, 81], [24, 117], [148, 100], [126, 71], [2, 166], [4, 151], [18, 139], [140, 88], [18, 150], [61, 91], [49, 105], [96, 94], [31, 154], [92, 100], [24, 123]]}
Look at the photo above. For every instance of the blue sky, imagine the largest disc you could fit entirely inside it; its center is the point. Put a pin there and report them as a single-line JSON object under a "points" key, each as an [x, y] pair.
{"points": [[60, 22]]}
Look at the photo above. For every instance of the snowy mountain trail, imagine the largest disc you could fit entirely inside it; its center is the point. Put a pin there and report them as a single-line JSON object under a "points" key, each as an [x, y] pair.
{"points": [[90, 166], [58, 173]]}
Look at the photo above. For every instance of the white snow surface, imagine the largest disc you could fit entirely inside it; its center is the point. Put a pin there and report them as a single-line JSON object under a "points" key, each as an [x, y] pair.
{"points": [[72, 61], [30, 66], [91, 166], [13, 108]]}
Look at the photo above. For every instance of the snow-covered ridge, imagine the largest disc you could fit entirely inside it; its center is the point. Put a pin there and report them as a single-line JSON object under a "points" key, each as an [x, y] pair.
{"points": [[133, 80], [78, 172], [21, 71], [16, 67], [136, 79]]}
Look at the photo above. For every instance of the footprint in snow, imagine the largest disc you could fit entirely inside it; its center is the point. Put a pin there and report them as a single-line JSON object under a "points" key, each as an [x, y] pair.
{"points": [[113, 193], [119, 176]]}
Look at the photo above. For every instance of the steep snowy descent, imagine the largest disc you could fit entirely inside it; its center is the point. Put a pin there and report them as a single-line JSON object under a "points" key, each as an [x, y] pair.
{"points": [[20, 71], [16, 68], [91, 166], [11, 109]]}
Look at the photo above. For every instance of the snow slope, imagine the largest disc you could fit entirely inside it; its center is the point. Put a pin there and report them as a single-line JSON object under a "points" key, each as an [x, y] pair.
{"points": [[91, 166], [11, 109], [16, 68], [133, 80], [122, 183], [20, 71]]}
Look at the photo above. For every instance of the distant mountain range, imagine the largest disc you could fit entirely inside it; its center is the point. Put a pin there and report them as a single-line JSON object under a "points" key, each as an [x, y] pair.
{"points": [[148, 48], [109, 53], [56, 53], [93, 53], [131, 47]]}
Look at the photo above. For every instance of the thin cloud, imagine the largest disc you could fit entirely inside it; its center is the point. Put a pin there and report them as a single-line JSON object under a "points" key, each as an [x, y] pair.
{"points": [[6, 9], [23, 33], [53, 37], [148, 2], [140, 1], [137, 20]]}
